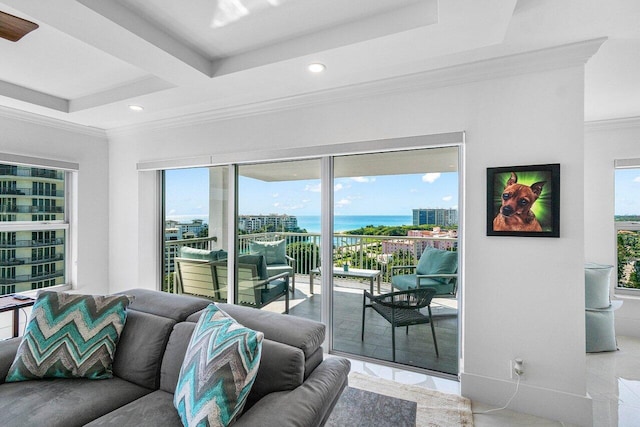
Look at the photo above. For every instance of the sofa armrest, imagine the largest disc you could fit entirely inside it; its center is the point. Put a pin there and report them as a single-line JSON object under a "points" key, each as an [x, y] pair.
{"points": [[308, 405], [8, 350]]}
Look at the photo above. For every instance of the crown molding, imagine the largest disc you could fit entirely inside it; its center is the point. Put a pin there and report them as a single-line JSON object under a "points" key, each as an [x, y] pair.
{"points": [[510, 64], [612, 124], [37, 119]]}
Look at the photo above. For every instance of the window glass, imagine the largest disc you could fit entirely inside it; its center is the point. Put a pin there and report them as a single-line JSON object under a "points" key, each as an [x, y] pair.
{"points": [[627, 217], [33, 228]]}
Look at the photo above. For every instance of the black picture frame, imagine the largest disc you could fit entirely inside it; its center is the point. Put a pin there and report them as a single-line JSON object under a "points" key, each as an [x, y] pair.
{"points": [[536, 190]]}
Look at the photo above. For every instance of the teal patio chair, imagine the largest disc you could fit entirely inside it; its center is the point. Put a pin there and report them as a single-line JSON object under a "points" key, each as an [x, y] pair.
{"points": [[437, 269]]}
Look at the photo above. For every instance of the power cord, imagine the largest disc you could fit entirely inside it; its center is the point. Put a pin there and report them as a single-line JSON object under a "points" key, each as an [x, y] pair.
{"points": [[508, 402]]}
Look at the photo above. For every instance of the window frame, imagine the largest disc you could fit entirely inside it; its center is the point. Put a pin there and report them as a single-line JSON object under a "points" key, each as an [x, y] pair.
{"points": [[623, 225]]}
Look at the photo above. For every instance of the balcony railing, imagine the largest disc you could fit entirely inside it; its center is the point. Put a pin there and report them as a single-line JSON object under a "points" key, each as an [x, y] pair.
{"points": [[11, 262], [32, 243], [30, 192], [358, 251], [31, 209], [33, 172], [29, 278]]}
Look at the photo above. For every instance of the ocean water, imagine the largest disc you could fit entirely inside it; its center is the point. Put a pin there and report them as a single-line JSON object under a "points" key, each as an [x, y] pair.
{"points": [[352, 222]]}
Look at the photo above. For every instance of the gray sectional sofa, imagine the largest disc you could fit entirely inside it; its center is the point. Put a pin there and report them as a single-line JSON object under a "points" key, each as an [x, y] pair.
{"points": [[295, 385]]}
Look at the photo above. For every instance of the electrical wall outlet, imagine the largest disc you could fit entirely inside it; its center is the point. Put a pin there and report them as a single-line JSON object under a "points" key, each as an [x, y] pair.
{"points": [[516, 368]]}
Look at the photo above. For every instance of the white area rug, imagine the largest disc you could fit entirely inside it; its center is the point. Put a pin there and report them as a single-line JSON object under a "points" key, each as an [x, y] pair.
{"points": [[435, 409]]}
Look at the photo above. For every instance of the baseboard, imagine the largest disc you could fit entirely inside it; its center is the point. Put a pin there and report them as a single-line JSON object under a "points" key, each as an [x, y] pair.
{"points": [[552, 404]]}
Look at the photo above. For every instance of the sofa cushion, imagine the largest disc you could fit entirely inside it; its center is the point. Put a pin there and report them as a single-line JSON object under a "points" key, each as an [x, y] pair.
{"points": [[274, 252], [219, 368], [437, 261], [174, 355], [70, 336], [63, 402], [305, 334], [141, 347], [152, 410], [176, 307]]}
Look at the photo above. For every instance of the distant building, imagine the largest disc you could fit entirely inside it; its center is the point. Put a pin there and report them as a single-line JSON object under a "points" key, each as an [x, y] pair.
{"points": [[174, 230], [253, 223], [446, 240], [31, 259], [437, 216]]}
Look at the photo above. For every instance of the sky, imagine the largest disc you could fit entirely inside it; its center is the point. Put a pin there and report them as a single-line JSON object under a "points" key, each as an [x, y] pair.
{"points": [[627, 192], [187, 194]]}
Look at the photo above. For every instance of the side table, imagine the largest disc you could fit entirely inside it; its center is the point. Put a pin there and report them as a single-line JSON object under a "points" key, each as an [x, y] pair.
{"points": [[8, 303]]}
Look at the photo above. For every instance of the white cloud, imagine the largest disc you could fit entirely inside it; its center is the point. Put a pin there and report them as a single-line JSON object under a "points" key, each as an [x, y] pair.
{"points": [[636, 179], [447, 198], [276, 204], [315, 188], [413, 190], [430, 177], [172, 211], [338, 187], [274, 195], [363, 179], [342, 203]]}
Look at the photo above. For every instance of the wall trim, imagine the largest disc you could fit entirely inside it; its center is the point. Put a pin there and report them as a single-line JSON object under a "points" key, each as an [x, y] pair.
{"points": [[557, 57], [542, 402], [37, 119], [612, 124]]}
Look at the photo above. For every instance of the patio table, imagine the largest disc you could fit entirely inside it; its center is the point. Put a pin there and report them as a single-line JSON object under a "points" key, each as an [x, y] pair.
{"points": [[359, 273]]}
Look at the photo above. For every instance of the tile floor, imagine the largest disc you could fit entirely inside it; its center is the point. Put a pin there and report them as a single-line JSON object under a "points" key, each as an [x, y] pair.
{"points": [[613, 381]]}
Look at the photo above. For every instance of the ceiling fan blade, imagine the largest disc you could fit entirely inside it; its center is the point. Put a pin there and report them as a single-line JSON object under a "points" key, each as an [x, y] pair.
{"points": [[13, 28]]}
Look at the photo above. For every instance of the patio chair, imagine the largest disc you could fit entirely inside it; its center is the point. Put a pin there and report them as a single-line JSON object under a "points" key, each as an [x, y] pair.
{"points": [[402, 308], [276, 257], [437, 269], [209, 279]]}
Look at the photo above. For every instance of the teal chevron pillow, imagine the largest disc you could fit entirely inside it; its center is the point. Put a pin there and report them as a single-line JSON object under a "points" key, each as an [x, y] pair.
{"points": [[218, 371], [70, 336]]}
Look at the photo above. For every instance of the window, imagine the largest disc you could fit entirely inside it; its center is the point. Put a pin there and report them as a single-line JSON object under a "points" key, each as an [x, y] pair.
{"points": [[627, 220], [34, 228]]}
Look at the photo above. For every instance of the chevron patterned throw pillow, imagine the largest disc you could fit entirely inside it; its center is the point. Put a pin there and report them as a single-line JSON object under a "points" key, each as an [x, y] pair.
{"points": [[70, 336], [218, 371]]}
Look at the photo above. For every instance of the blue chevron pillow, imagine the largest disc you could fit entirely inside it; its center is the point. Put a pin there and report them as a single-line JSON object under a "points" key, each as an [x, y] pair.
{"points": [[70, 336], [218, 370]]}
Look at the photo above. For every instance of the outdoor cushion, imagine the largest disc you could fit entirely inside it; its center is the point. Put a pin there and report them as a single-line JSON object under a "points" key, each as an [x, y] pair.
{"points": [[408, 281], [194, 253], [596, 281], [70, 336], [259, 261], [600, 330], [274, 252], [437, 261], [219, 368]]}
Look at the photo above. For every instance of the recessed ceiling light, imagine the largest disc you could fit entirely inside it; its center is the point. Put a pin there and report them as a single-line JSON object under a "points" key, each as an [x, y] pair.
{"points": [[136, 107], [316, 67]]}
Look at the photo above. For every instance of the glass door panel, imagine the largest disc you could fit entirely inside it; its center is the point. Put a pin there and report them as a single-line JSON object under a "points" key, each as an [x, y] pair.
{"points": [[196, 204], [390, 211], [279, 223]]}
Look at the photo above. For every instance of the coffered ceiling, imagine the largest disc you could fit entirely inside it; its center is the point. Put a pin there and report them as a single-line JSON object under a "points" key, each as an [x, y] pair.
{"points": [[90, 59]]}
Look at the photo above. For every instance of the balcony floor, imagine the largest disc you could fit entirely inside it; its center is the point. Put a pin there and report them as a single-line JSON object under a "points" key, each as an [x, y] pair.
{"points": [[415, 349]]}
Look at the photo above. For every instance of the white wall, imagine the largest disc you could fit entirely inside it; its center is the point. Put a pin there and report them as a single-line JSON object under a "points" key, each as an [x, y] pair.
{"points": [[604, 143], [523, 297], [46, 139]]}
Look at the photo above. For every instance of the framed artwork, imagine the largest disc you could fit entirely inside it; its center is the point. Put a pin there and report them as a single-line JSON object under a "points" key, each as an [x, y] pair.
{"points": [[524, 201]]}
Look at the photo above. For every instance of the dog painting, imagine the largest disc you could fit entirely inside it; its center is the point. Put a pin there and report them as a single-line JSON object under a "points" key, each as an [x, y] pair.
{"points": [[523, 201], [515, 213]]}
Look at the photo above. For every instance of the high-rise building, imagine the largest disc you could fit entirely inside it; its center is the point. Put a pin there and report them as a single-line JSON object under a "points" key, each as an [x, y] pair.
{"points": [[31, 258], [251, 223], [437, 216]]}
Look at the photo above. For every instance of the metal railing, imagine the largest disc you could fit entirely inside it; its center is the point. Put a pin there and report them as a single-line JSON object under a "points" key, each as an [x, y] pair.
{"points": [[357, 251], [31, 243]]}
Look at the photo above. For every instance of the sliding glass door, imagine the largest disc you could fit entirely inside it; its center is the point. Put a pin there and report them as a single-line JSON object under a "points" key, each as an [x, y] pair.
{"points": [[395, 222], [393, 211]]}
